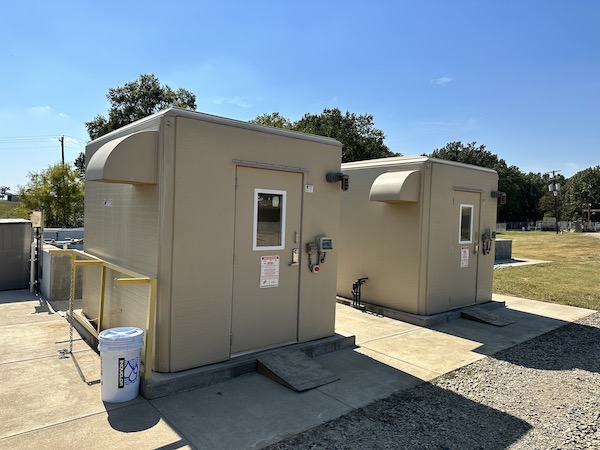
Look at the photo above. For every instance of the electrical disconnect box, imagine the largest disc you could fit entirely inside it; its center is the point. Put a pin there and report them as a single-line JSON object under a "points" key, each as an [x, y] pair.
{"points": [[36, 219], [325, 244]]}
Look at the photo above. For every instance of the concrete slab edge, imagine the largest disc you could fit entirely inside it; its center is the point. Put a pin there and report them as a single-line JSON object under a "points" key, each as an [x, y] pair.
{"points": [[421, 320], [163, 384]]}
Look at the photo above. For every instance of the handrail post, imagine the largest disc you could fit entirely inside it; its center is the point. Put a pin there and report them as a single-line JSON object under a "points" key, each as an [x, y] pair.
{"points": [[133, 278], [149, 355], [101, 304]]}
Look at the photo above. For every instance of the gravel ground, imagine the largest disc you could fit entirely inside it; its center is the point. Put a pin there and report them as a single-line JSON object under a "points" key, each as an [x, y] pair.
{"points": [[541, 394]]}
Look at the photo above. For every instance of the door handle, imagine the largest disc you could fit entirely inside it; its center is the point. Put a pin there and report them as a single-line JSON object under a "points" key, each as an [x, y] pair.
{"points": [[295, 257]]}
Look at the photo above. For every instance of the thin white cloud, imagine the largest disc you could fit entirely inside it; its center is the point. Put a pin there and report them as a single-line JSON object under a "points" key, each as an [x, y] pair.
{"points": [[41, 109], [443, 81], [237, 101], [454, 126], [63, 115]]}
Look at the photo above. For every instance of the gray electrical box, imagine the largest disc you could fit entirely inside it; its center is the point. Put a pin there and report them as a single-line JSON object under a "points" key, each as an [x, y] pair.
{"points": [[15, 245]]}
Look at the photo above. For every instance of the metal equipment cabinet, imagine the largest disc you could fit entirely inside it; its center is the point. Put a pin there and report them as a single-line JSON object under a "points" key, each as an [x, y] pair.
{"points": [[221, 213], [421, 230]]}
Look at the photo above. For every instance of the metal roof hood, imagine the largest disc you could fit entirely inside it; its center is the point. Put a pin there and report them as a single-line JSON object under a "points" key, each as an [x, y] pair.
{"points": [[401, 186], [129, 159]]}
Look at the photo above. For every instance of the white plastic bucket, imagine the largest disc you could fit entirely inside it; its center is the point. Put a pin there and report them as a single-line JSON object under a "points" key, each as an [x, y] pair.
{"points": [[120, 350]]}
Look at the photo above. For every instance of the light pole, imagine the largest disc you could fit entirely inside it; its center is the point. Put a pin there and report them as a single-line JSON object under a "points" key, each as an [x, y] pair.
{"points": [[554, 188]]}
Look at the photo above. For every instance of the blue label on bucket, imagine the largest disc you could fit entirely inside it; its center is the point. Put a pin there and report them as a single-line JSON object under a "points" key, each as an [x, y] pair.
{"points": [[128, 371]]}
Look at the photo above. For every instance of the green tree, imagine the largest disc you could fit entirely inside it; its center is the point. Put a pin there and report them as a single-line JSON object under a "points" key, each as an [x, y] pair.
{"points": [[357, 133], [80, 165], [522, 191], [274, 120], [58, 191], [469, 154], [579, 192], [3, 191], [136, 100]]}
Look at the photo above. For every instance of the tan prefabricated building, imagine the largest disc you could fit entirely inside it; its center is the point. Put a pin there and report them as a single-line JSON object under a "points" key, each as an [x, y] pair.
{"points": [[220, 212], [421, 229]]}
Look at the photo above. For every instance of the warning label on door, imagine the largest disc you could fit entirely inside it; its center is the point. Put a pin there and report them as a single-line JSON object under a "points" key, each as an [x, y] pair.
{"points": [[464, 257], [269, 271]]}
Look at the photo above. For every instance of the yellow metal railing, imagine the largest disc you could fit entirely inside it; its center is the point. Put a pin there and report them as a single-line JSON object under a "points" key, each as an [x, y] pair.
{"points": [[132, 278]]}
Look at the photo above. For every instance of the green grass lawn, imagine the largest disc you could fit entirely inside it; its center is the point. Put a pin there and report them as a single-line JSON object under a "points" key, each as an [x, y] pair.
{"points": [[571, 278], [11, 210]]}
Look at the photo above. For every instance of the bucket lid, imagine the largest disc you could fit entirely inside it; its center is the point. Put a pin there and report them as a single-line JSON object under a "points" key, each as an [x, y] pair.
{"points": [[120, 335]]}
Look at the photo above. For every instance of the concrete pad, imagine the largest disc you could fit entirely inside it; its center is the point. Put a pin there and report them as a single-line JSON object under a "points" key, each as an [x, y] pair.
{"points": [[49, 404], [492, 339], [26, 312], [131, 427], [246, 413], [554, 310], [20, 295], [362, 379], [47, 391], [37, 340], [406, 367], [429, 349], [366, 326]]}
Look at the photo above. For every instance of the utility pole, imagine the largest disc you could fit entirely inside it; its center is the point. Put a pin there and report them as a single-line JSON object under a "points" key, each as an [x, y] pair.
{"points": [[62, 149]]}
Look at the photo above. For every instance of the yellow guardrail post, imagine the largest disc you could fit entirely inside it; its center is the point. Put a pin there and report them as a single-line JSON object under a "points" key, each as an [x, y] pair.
{"points": [[101, 303], [149, 356], [133, 278]]}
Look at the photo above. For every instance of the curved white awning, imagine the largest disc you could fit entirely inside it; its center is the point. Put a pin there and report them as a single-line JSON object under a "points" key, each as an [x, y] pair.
{"points": [[401, 186], [130, 159]]}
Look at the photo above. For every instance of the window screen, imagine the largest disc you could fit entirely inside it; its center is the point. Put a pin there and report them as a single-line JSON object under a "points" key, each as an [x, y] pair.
{"points": [[466, 224], [269, 219]]}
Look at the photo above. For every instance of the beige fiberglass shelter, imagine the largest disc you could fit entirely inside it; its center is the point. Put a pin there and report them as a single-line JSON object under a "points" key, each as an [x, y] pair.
{"points": [[421, 230], [221, 212]]}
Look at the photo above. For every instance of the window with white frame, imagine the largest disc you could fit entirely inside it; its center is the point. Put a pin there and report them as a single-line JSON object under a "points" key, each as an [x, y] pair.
{"points": [[269, 219], [465, 226]]}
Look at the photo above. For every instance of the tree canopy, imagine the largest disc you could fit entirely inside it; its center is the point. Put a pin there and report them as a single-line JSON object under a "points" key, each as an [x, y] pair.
{"points": [[357, 133], [580, 192], [523, 191], [136, 100], [58, 191]]}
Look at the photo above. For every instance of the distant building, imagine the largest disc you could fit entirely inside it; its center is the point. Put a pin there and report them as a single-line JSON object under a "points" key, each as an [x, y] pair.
{"points": [[12, 198]]}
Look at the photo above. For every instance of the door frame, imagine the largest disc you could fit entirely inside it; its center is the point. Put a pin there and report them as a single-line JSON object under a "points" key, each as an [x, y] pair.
{"points": [[291, 238]]}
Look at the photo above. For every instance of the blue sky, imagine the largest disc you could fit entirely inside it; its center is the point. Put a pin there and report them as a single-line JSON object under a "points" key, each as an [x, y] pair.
{"points": [[520, 77]]}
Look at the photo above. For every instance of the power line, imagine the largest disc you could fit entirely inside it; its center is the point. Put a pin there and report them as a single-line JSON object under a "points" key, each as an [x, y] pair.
{"points": [[46, 138]]}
